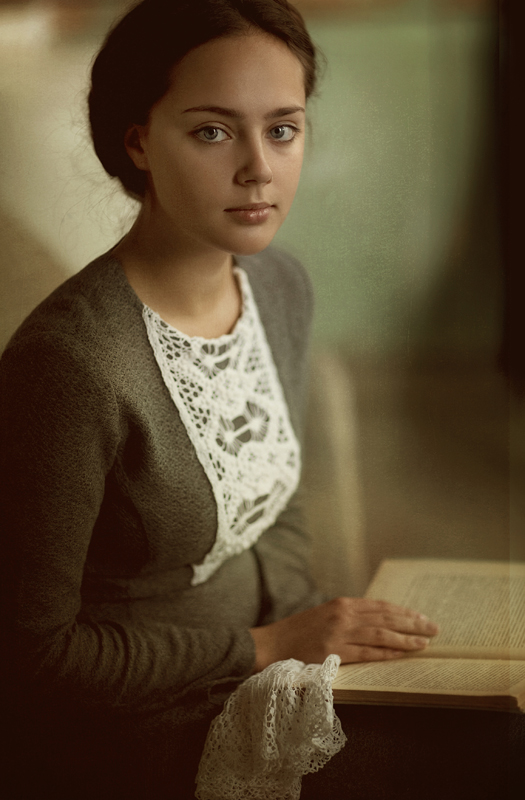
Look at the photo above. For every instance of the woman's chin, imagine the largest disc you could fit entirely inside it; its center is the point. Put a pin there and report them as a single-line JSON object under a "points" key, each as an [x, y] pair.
{"points": [[251, 245], [252, 251]]}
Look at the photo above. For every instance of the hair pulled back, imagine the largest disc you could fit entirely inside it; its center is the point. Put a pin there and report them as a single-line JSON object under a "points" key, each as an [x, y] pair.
{"points": [[132, 70]]}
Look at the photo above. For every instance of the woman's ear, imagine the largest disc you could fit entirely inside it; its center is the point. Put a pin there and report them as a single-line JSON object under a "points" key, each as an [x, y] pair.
{"points": [[133, 142]]}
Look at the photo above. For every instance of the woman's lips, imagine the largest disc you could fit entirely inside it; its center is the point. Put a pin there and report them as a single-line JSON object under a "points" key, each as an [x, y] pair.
{"points": [[251, 214]]}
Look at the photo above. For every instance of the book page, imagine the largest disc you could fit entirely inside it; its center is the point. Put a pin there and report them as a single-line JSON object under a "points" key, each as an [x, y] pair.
{"points": [[435, 676], [479, 605]]}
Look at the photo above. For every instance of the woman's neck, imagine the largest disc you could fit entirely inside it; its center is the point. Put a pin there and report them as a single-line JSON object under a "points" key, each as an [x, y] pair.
{"points": [[193, 290]]}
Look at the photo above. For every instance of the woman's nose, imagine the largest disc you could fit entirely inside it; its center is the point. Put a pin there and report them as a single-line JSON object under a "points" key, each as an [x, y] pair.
{"points": [[254, 167]]}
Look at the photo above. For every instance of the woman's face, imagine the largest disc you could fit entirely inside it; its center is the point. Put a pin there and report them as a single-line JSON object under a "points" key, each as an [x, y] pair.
{"points": [[223, 148]]}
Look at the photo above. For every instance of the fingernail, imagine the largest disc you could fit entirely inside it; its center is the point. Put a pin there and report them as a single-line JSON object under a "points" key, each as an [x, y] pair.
{"points": [[423, 617], [422, 641]]}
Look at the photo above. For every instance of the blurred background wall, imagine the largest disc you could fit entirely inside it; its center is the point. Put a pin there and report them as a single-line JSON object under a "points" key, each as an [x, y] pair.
{"points": [[396, 219], [398, 173]]}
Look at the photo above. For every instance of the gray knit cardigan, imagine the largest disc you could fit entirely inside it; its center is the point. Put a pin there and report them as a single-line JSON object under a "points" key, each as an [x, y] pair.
{"points": [[105, 505]]}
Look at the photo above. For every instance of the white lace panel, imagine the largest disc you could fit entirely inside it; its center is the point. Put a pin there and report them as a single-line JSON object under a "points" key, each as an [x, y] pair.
{"points": [[230, 400]]}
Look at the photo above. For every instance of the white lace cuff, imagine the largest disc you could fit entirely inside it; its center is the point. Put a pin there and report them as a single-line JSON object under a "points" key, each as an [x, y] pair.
{"points": [[277, 726]]}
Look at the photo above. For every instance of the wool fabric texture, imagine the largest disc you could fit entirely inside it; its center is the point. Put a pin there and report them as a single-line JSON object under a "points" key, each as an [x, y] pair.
{"points": [[105, 507]]}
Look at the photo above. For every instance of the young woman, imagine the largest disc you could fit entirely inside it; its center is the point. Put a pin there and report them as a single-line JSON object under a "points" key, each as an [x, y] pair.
{"points": [[152, 544]]}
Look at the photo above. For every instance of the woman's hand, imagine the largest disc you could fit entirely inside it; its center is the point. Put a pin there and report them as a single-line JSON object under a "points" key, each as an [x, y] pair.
{"points": [[355, 629]]}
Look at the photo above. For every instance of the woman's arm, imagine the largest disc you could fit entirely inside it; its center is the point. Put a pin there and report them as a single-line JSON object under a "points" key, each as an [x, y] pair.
{"points": [[284, 553], [299, 625], [60, 430], [356, 629]]}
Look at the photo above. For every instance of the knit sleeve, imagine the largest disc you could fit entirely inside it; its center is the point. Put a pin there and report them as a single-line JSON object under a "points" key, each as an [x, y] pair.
{"points": [[60, 431], [283, 552], [284, 549]]}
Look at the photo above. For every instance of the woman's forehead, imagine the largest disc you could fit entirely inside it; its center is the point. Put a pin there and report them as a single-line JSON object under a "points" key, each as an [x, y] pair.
{"points": [[239, 73]]}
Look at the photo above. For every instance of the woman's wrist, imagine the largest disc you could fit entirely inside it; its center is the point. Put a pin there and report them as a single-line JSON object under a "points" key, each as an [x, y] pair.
{"points": [[265, 650]]}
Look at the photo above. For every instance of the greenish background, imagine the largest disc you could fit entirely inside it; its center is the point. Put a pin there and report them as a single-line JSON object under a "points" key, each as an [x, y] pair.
{"points": [[395, 216]]}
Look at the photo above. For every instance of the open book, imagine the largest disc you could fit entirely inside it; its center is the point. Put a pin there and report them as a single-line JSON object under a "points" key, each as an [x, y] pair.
{"points": [[478, 658]]}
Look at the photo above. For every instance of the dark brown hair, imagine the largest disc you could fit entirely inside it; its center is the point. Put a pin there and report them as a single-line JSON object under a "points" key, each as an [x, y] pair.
{"points": [[132, 70]]}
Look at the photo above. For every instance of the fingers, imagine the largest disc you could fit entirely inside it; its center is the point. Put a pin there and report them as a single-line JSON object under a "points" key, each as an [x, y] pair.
{"points": [[385, 615], [356, 629], [379, 637], [364, 605], [358, 654], [374, 630], [401, 624]]}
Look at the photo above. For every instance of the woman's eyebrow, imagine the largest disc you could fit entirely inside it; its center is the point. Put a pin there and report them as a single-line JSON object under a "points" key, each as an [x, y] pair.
{"points": [[230, 112], [284, 111]]}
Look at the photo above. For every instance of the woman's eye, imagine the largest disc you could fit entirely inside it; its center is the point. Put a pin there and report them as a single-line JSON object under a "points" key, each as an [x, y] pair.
{"points": [[283, 133], [210, 134]]}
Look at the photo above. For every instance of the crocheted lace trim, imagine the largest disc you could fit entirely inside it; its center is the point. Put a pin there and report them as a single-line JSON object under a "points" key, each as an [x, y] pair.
{"points": [[232, 405], [276, 727]]}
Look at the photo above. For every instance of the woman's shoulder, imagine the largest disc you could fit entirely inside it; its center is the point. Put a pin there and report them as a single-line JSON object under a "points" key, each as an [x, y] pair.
{"points": [[279, 281], [89, 309], [283, 295]]}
